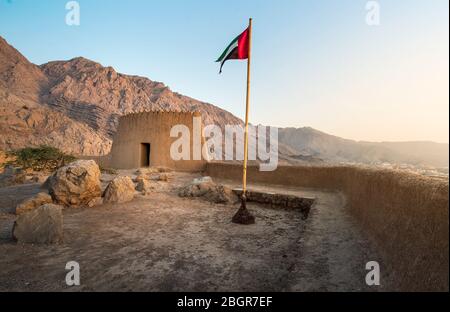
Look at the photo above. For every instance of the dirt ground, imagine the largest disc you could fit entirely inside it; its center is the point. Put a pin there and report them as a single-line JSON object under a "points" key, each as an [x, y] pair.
{"points": [[161, 242]]}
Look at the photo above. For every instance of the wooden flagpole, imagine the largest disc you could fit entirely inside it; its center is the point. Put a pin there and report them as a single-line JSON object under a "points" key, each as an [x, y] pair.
{"points": [[243, 216], [247, 104]]}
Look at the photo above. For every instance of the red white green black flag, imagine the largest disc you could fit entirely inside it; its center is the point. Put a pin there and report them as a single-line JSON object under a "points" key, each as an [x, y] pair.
{"points": [[240, 49], [236, 50]]}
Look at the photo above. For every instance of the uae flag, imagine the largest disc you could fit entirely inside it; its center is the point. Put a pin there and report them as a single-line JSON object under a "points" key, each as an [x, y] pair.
{"points": [[236, 50]]}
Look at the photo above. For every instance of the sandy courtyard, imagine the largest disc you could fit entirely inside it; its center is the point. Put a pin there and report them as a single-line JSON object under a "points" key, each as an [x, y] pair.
{"points": [[161, 242]]}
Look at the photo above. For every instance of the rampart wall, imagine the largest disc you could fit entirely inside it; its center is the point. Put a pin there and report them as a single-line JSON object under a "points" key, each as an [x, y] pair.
{"points": [[406, 215]]}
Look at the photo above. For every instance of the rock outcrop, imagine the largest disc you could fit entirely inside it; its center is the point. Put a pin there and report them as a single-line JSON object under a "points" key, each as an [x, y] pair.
{"points": [[75, 184], [43, 225], [119, 190]]}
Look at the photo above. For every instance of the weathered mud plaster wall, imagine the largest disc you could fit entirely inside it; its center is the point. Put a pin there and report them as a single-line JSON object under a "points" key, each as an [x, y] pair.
{"points": [[153, 128], [405, 214]]}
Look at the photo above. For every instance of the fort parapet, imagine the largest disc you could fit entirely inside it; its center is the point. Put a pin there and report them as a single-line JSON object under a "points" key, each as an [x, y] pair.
{"points": [[405, 214]]}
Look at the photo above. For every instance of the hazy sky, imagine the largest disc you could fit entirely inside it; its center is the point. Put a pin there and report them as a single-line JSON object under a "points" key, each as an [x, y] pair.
{"points": [[316, 62]]}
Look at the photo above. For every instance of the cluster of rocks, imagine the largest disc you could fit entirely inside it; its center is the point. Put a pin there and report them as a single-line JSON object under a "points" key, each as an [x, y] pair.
{"points": [[205, 188], [155, 173], [147, 178], [40, 220]]}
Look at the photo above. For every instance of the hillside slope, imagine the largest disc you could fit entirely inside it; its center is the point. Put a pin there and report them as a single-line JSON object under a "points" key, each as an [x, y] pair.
{"points": [[74, 105], [308, 141]]}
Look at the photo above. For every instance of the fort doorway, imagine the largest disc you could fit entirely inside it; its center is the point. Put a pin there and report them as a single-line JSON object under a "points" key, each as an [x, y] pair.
{"points": [[145, 154]]}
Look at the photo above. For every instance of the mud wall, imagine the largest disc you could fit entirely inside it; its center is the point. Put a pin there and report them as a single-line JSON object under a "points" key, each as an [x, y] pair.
{"points": [[406, 215], [152, 128]]}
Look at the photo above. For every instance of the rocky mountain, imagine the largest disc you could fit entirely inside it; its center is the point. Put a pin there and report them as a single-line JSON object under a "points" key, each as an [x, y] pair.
{"points": [[308, 141], [74, 105]]}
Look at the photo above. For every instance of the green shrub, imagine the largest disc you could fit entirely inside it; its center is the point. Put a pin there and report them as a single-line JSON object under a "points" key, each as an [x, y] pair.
{"points": [[42, 158]]}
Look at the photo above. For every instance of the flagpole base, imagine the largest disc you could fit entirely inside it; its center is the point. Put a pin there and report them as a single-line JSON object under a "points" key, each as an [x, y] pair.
{"points": [[243, 216]]}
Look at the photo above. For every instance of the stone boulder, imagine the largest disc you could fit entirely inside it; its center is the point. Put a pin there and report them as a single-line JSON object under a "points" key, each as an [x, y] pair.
{"points": [[143, 185], [33, 203], [75, 184], [208, 190], [119, 190], [43, 225]]}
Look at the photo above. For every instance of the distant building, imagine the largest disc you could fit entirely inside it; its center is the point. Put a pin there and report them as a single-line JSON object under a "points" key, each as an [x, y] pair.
{"points": [[143, 140]]}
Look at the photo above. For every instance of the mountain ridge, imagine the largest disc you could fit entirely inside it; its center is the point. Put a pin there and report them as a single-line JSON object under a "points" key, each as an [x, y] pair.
{"points": [[309, 141], [75, 105]]}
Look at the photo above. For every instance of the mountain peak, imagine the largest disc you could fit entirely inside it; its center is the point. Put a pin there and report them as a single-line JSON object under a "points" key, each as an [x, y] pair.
{"points": [[18, 75], [90, 96], [82, 61], [9, 55]]}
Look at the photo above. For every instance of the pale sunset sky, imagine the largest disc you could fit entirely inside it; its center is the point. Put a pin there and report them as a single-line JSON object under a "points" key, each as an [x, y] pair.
{"points": [[315, 62]]}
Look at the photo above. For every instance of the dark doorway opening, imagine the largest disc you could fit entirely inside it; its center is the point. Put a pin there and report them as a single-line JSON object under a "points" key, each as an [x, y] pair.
{"points": [[145, 154]]}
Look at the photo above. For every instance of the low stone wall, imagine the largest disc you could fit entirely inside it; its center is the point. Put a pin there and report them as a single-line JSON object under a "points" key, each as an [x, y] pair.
{"points": [[405, 214], [302, 204]]}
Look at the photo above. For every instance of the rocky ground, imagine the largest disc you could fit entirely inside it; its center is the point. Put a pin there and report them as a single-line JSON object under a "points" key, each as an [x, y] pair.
{"points": [[160, 241]]}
